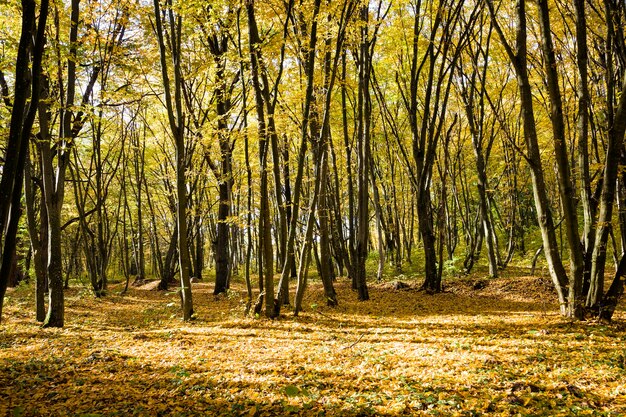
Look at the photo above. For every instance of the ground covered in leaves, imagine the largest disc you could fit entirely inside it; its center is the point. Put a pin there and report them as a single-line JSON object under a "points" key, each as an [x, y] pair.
{"points": [[484, 347]]}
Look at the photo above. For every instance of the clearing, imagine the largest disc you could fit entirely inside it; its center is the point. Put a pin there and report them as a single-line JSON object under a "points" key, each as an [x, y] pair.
{"points": [[496, 347]]}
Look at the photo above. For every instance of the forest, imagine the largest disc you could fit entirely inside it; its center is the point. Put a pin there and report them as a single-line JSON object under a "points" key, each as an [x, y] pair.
{"points": [[268, 207]]}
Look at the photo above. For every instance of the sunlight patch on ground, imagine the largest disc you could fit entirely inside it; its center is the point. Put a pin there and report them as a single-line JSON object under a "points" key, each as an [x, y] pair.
{"points": [[464, 352]]}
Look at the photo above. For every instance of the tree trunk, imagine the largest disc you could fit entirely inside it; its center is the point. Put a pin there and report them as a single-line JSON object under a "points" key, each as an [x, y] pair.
{"points": [[364, 114], [56, 301], [584, 101], [615, 292], [177, 126], [615, 136], [379, 230], [218, 45], [566, 189], [222, 250], [265, 227], [349, 174], [37, 235], [181, 219], [139, 162], [432, 284], [28, 76], [542, 204]]}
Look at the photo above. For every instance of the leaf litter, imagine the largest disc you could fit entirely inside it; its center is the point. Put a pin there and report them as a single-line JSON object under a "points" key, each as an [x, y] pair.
{"points": [[498, 348]]}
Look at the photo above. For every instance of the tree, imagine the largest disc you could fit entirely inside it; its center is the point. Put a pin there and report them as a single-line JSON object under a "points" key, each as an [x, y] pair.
{"points": [[176, 121], [261, 94], [96, 224], [37, 234], [217, 40], [566, 187], [518, 59], [438, 62], [363, 137], [28, 84], [473, 89], [571, 289], [616, 120]]}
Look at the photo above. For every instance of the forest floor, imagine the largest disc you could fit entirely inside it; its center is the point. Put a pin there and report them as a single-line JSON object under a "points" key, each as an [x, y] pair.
{"points": [[483, 347]]}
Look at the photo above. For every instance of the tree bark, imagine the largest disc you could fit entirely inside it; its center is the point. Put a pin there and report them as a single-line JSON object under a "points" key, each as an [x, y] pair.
{"points": [[615, 140], [37, 241], [544, 216], [584, 101], [28, 76], [364, 114], [176, 122], [265, 227], [218, 45], [566, 188]]}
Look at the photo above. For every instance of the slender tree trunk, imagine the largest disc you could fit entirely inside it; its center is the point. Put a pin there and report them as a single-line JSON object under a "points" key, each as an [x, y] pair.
{"points": [[584, 101], [181, 219], [364, 116], [477, 132], [566, 188], [36, 234], [177, 125], [139, 162], [265, 227], [326, 270], [305, 254], [28, 76], [218, 45], [615, 136], [349, 173], [222, 254], [381, 239], [56, 300], [542, 204], [289, 263]]}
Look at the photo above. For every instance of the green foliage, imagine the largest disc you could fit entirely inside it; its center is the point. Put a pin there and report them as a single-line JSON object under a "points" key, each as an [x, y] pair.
{"points": [[291, 390]]}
